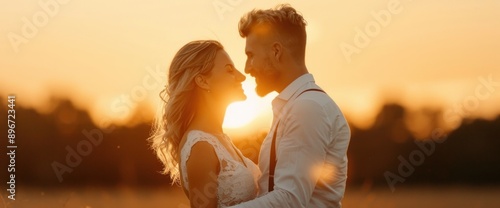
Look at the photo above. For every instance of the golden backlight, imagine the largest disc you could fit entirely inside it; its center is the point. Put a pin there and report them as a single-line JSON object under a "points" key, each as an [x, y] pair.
{"points": [[241, 114], [433, 53]]}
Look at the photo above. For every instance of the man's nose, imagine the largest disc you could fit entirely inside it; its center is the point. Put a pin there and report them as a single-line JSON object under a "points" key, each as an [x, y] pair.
{"points": [[248, 68]]}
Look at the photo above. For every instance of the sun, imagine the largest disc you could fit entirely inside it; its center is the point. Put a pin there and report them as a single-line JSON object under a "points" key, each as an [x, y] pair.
{"points": [[240, 114]]}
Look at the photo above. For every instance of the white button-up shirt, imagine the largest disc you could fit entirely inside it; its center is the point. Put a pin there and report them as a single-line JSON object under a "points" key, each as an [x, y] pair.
{"points": [[311, 147]]}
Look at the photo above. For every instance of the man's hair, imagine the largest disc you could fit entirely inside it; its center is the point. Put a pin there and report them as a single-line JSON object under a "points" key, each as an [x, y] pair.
{"points": [[285, 21]]}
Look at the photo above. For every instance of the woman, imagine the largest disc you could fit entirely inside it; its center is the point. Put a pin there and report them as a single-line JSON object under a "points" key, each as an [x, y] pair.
{"points": [[188, 138]]}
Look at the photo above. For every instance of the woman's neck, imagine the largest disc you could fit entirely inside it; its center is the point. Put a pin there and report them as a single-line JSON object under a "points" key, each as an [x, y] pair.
{"points": [[209, 118]]}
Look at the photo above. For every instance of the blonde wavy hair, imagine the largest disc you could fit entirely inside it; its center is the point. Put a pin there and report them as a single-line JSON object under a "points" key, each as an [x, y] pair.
{"points": [[193, 59]]}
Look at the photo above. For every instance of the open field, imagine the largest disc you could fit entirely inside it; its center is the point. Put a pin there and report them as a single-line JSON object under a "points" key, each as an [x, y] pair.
{"points": [[126, 197]]}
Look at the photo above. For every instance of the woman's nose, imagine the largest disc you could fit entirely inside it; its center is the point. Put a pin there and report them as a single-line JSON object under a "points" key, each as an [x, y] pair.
{"points": [[240, 77]]}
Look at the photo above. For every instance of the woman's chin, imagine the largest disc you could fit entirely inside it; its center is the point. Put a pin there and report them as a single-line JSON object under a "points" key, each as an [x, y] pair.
{"points": [[241, 97], [238, 98]]}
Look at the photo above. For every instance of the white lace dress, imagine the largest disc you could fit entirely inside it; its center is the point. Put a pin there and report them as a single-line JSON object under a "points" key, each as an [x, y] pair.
{"points": [[237, 182]]}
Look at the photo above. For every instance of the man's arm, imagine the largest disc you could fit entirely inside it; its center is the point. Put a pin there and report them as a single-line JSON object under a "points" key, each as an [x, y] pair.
{"points": [[300, 154]]}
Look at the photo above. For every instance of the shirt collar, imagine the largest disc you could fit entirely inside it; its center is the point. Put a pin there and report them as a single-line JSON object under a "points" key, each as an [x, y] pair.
{"points": [[289, 91], [293, 87]]}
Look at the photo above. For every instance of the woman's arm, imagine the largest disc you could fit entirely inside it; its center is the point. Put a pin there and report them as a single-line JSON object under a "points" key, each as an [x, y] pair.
{"points": [[203, 169]]}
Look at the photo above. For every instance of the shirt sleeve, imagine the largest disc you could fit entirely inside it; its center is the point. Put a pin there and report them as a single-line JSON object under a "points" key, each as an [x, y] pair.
{"points": [[300, 151]]}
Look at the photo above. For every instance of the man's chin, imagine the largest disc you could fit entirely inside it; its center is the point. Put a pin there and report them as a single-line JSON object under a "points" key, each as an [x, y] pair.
{"points": [[262, 91]]}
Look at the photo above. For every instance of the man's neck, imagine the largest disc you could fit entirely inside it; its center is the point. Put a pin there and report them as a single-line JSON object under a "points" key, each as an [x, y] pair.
{"points": [[287, 77]]}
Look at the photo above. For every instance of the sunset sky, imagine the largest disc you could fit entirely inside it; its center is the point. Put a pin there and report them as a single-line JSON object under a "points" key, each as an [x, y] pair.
{"points": [[363, 53]]}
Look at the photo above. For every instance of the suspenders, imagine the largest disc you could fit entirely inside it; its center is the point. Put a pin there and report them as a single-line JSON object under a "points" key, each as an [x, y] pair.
{"points": [[272, 158]]}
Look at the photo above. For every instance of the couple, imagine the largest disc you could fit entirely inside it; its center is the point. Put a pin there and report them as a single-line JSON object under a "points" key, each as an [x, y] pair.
{"points": [[302, 161]]}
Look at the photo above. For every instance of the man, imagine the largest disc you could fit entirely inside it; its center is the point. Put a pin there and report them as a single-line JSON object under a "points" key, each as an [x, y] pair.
{"points": [[310, 133]]}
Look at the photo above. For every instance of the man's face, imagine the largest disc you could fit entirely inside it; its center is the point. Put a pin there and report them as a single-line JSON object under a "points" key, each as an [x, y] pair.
{"points": [[259, 64]]}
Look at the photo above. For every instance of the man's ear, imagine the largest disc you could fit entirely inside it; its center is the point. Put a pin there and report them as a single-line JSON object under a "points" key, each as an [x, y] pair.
{"points": [[277, 49], [201, 82]]}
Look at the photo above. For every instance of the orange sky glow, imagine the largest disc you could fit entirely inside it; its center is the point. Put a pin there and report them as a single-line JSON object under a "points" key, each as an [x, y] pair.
{"points": [[112, 56]]}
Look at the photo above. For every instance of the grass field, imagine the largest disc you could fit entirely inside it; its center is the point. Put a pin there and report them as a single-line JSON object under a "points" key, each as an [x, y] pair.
{"points": [[473, 197]]}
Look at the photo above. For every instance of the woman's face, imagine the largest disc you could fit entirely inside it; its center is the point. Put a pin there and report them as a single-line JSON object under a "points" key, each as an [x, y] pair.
{"points": [[225, 80]]}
